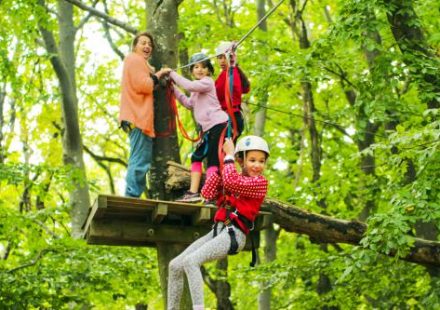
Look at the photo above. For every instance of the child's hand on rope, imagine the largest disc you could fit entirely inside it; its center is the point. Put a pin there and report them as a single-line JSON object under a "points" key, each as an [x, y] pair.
{"points": [[228, 147], [231, 56], [163, 72]]}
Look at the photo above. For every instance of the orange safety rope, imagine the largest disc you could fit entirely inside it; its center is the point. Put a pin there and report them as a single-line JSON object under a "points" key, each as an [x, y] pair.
{"points": [[228, 96], [175, 116]]}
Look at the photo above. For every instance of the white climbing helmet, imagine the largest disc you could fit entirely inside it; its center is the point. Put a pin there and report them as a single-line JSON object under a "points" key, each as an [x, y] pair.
{"points": [[252, 143], [223, 47]]}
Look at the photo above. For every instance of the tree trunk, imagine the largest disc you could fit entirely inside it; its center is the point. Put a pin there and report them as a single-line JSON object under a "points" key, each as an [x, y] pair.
{"points": [[270, 254], [67, 39], [162, 24], [270, 235], [368, 163], [223, 288], [25, 201], [162, 19], [260, 115], [72, 142], [404, 25], [220, 287], [299, 28], [2, 101]]}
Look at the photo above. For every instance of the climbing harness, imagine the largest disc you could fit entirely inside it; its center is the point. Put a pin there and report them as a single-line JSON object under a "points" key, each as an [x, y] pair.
{"points": [[228, 96], [127, 126], [232, 218]]}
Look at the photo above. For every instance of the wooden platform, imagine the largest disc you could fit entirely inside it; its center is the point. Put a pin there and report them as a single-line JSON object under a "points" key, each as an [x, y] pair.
{"points": [[115, 220]]}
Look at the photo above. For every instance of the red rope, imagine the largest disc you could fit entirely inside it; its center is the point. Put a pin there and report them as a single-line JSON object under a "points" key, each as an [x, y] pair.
{"points": [[228, 97], [174, 111], [230, 111]]}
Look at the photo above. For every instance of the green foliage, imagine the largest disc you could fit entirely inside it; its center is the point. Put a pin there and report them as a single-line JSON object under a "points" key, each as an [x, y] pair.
{"points": [[358, 278], [362, 87], [47, 269]]}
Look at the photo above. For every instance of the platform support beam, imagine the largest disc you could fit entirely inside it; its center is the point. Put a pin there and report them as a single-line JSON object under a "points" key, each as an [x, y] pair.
{"points": [[202, 216], [159, 213]]}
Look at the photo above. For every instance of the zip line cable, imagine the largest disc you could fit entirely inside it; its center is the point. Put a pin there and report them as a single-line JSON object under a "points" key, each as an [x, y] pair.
{"points": [[242, 38], [258, 24], [336, 125]]}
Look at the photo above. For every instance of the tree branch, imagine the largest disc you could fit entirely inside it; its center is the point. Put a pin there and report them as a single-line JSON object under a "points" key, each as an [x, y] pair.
{"points": [[86, 18], [104, 16], [33, 262], [7, 251], [104, 158], [46, 229], [106, 168], [109, 37], [321, 228], [341, 74]]}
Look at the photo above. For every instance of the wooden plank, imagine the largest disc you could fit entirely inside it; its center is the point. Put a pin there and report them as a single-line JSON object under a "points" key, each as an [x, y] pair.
{"points": [[102, 206], [109, 206], [127, 233], [159, 212], [115, 220], [127, 207], [135, 202], [117, 232], [115, 206], [90, 217]]}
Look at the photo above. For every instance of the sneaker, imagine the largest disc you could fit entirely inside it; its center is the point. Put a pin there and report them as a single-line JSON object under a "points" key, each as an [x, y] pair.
{"points": [[190, 197]]}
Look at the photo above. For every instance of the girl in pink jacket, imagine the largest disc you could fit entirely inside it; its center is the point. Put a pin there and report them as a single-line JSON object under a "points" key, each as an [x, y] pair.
{"points": [[208, 114]]}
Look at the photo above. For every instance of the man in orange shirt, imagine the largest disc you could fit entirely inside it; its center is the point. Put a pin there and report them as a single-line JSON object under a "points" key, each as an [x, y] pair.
{"points": [[137, 112]]}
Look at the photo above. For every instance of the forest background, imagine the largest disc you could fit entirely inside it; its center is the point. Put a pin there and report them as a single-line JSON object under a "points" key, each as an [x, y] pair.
{"points": [[346, 92]]}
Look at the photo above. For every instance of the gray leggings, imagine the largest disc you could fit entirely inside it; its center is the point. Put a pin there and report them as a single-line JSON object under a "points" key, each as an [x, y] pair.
{"points": [[204, 249]]}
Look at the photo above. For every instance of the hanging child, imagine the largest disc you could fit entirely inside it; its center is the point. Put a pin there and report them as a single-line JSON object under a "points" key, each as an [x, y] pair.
{"points": [[239, 80], [239, 197], [207, 113]]}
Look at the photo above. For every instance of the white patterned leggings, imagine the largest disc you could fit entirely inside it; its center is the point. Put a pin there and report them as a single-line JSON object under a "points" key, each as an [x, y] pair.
{"points": [[204, 249]]}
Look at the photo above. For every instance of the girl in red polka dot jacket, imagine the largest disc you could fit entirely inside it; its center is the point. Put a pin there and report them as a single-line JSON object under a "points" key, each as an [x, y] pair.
{"points": [[239, 197], [241, 193]]}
